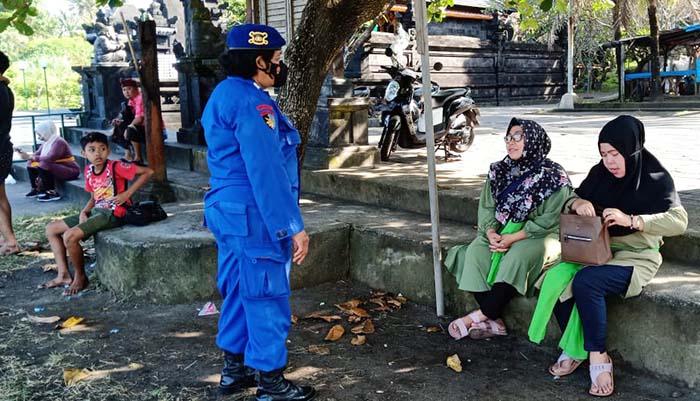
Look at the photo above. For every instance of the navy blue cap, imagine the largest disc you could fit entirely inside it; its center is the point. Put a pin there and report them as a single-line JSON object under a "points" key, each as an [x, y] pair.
{"points": [[254, 36]]}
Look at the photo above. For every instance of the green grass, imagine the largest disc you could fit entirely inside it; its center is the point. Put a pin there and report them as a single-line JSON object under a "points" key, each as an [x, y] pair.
{"points": [[30, 230]]}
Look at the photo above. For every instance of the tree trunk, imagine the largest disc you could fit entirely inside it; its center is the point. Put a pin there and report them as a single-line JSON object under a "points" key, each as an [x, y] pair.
{"points": [[617, 35], [319, 39], [654, 35], [155, 149]]}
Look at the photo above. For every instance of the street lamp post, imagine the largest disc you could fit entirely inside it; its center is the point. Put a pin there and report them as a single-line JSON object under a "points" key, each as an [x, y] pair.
{"points": [[45, 64], [22, 67]]}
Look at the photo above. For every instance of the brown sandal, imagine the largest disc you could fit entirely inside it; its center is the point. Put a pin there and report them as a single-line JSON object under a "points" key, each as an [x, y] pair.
{"points": [[558, 371]]}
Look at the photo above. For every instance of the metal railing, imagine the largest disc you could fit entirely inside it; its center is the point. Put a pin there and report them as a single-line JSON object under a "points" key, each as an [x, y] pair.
{"points": [[51, 116]]}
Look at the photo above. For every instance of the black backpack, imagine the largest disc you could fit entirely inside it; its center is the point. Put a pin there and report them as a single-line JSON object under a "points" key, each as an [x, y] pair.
{"points": [[144, 213]]}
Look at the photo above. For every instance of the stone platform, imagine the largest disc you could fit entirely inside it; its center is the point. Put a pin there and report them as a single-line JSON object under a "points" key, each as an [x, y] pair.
{"points": [[175, 261]]}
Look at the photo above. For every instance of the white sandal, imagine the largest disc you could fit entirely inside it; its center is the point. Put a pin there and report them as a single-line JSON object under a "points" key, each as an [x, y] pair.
{"points": [[596, 370]]}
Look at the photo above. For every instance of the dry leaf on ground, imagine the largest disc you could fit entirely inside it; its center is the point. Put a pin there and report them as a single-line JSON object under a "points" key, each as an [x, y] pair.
{"points": [[354, 319], [394, 303], [367, 327], [335, 333], [401, 299], [378, 293], [70, 322], [353, 303], [319, 315], [49, 267], [359, 340], [378, 300], [360, 312], [72, 375], [382, 308], [433, 329], [295, 319], [454, 363], [43, 319], [319, 350]]}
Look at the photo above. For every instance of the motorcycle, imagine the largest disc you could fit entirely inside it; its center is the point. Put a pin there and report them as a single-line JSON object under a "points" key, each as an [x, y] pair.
{"points": [[403, 114]]}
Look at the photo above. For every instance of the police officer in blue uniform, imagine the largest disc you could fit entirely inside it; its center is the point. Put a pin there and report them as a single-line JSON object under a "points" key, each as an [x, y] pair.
{"points": [[253, 211]]}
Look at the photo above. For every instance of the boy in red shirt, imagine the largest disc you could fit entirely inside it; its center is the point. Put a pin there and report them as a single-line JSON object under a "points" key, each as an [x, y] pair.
{"points": [[135, 132], [106, 180]]}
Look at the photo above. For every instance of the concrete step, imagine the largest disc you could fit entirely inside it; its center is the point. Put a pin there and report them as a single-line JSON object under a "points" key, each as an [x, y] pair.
{"points": [[394, 186], [175, 261]]}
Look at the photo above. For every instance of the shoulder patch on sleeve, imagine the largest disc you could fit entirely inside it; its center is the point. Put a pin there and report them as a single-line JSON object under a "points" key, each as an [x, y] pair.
{"points": [[267, 113]]}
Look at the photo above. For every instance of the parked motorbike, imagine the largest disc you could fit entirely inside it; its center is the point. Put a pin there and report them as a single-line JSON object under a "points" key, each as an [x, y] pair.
{"points": [[403, 114]]}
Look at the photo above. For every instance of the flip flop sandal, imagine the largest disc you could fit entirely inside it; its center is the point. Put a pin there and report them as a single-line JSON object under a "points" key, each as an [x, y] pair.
{"points": [[461, 330], [10, 250], [596, 370], [486, 329], [558, 371]]}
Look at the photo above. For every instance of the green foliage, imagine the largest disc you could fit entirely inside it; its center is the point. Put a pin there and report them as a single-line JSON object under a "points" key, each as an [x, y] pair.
{"points": [[235, 12], [436, 9]]}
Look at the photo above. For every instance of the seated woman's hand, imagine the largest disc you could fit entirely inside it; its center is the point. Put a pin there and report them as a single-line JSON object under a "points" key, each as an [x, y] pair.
{"points": [[615, 217], [583, 207], [493, 237]]}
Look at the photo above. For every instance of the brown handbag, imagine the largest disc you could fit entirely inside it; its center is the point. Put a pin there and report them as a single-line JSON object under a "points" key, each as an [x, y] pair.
{"points": [[584, 240]]}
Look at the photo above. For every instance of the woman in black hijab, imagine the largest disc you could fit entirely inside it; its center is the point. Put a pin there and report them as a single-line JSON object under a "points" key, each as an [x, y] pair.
{"points": [[638, 201]]}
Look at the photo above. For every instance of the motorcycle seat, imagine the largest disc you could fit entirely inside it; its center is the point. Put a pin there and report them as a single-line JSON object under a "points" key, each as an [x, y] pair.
{"points": [[439, 98]]}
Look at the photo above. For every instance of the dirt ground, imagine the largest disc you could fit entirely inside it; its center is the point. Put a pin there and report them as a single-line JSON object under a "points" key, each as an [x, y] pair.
{"points": [[135, 351]]}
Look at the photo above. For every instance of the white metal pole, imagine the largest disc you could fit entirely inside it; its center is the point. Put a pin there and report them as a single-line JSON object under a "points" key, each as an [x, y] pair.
{"points": [[570, 51], [421, 16]]}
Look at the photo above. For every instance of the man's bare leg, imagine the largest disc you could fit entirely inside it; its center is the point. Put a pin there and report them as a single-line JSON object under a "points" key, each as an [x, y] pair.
{"points": [[71, 240], [137, 151], [54, 232], [9, 245]]}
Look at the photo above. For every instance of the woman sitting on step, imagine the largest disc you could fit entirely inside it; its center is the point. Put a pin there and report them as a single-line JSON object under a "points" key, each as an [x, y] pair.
{"points": [[52, 161], [518, 230], [637, 199]]}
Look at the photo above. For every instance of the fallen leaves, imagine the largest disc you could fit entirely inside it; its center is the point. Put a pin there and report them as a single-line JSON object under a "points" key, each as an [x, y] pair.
{"points": [[295, 319], [335, 333], [359, 340], [360, 312], [73, 375], [43, 319], [454, 363], [327, 318], [367, 327], [70, 322], [319, 350], [433, 329], [358, 316]]}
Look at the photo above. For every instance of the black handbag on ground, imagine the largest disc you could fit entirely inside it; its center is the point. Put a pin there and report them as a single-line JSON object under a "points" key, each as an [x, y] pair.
{"points": [[144, 213]]}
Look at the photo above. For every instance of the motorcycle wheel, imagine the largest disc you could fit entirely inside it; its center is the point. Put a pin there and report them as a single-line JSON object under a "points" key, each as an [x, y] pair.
{"points": [[392, 131], [464, 143]]}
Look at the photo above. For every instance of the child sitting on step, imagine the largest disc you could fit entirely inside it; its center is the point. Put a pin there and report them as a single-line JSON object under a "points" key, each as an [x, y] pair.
{"points": [[106, 180]]}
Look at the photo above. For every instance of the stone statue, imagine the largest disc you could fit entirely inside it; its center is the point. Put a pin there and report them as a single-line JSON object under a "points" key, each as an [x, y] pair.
{"points": [[108, 48]]}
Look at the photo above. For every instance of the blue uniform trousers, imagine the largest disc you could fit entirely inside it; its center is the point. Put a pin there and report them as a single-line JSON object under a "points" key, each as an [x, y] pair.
{"points": [[255, 313], [591, 286]]}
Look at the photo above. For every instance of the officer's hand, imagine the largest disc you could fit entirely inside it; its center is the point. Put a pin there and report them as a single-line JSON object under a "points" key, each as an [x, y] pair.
{"points": [[301, 246]]}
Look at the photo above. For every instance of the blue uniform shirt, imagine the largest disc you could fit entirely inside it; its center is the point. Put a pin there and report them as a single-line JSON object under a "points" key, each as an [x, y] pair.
{"points": [[252, 155]]}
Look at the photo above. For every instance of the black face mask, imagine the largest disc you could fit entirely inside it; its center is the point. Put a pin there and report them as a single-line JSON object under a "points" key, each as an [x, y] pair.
{"points": [[280, 78]]}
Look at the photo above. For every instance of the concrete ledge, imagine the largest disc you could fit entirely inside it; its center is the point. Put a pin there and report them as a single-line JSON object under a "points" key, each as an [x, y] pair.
{"points": [[383, 187], [341, 157], [174, 261]]}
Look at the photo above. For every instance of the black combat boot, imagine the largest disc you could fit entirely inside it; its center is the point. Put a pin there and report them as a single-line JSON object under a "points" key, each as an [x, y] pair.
{"points": [[272, 386], [235, 376]]}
